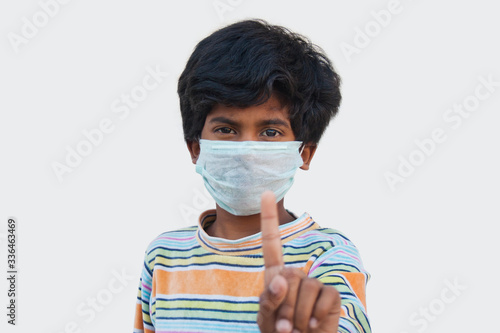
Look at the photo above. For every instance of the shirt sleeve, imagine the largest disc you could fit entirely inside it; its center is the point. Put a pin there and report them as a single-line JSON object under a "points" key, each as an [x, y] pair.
{"points": [[142, 321], [341, 267]]}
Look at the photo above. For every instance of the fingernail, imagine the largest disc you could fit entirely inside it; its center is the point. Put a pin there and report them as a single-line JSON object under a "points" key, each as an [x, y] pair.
{"points": [[283, 325], [295, 331], [313, 323], [275, 286]]}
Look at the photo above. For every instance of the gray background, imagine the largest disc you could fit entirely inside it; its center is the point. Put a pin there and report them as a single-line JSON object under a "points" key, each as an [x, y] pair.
{"points": [[78, 231]]}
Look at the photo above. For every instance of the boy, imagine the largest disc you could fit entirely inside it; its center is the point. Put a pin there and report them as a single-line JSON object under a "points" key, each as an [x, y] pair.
{"points": [[255, 100]]}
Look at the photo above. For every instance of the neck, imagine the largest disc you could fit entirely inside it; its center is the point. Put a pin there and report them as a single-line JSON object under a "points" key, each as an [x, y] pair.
{"points": [[229, 226]]}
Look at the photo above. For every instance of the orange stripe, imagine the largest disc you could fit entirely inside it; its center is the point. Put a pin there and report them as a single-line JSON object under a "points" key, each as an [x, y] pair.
{"points": [[153, 288], [138, 317], [358, 283], [214, 282], [138, 323], [307, 267], [209, 282]]}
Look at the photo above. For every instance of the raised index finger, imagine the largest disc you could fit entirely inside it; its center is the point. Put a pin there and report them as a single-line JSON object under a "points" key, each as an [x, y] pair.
{"points": [[271, 240]]}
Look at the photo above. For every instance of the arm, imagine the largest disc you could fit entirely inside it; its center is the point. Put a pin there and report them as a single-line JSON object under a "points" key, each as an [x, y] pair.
{"points": [[143, 322], [341, 267]]}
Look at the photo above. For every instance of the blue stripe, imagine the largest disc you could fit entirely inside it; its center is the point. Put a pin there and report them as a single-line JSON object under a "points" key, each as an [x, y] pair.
{"points": [[171, 249], [207, 310], [191, 256], [285, 246], [209, 320], [208, 264]]}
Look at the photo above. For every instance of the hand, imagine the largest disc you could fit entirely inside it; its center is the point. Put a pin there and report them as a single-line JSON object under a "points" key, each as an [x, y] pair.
{"points": [[291, 301]]}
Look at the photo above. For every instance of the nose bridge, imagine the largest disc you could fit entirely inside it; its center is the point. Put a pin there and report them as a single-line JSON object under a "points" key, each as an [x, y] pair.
{"points": [[248, 132], [248, 136]]}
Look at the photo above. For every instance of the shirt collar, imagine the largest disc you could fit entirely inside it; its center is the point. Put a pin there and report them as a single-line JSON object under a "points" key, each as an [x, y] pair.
{"points": [[251, 244]]}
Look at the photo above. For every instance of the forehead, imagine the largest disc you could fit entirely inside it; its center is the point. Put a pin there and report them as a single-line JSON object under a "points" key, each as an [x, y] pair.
{"points": [[272, 108]]}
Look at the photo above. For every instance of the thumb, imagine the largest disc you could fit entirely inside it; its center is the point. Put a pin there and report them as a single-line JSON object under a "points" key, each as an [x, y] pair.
{"points": [[270, 300]]}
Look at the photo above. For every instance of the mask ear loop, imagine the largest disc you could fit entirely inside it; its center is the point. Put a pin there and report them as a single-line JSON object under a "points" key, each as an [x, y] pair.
{"points": [[301, 148]]}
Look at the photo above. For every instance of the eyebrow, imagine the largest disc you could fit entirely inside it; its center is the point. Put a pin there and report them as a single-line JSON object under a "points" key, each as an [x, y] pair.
{"points": [[272, 121], [223, 120]]}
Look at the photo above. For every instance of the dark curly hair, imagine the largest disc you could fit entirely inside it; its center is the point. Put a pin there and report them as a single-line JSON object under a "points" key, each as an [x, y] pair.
{"points": [[244, 63]]}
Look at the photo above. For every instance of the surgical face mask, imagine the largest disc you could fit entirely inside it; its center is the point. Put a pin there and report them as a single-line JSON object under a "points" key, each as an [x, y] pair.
{"points": [[236, 173]]}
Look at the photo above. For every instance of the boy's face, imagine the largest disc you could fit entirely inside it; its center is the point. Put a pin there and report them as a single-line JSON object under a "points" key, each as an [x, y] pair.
{"points": [[265, 122]]}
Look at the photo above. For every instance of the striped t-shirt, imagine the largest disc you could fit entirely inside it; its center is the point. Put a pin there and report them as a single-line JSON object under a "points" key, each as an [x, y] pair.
{"points": [[192, 282]]}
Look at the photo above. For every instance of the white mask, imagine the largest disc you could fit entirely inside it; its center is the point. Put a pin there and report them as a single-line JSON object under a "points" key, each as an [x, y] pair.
{"points": [[236, 173]]}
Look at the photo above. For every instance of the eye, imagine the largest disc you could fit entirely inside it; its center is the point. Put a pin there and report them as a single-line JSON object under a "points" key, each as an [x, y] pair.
{"points": [[225, 130], [271, 132]]}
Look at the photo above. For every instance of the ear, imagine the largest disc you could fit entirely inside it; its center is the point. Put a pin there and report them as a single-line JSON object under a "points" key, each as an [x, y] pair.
{"points": [[307, 155], [194, 150]]}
